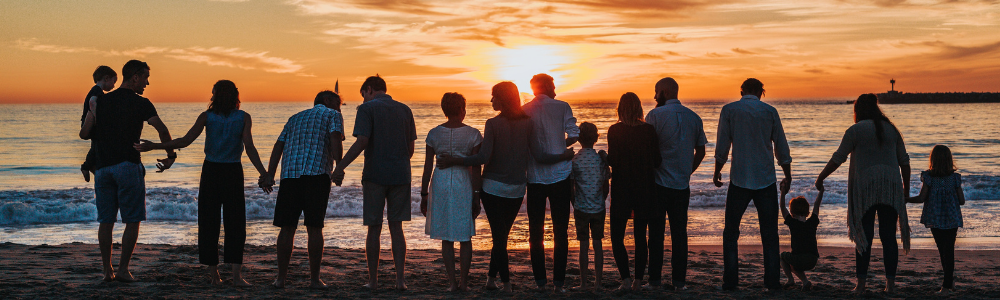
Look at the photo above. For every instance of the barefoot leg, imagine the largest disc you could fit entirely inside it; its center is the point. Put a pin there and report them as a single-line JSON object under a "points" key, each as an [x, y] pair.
{"points": [[238, 280], [584, 264], [448, 251], [398, 252], [129, 238], [466, 261], [372, 248], [104, 237], [315, 245], [285, 238], [213, 275]]}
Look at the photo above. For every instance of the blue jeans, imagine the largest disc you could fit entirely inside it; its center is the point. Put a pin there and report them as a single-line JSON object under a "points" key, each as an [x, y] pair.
{"points": [[766, 202]]}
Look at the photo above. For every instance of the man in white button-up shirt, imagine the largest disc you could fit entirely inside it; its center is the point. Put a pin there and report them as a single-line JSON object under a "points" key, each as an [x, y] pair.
{"points": [[555, 129], [753, 129], [682, 148]]}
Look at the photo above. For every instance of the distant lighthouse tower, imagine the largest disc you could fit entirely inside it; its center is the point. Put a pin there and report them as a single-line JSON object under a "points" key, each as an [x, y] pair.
{"points": [[893, 83]]}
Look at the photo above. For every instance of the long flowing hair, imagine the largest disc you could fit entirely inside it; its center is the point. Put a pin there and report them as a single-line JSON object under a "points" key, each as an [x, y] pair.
{"points": [[942, 163], [866, 108], [509, 98], [630, 110], [225, 98]]}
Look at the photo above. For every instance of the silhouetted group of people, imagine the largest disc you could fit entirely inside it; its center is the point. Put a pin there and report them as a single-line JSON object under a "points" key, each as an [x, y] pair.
{"points": [[523, 153]]}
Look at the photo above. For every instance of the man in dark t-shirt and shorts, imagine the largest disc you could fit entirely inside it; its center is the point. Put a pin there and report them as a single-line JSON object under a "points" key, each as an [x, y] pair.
{"points": [[386, 133], [115, 121]]}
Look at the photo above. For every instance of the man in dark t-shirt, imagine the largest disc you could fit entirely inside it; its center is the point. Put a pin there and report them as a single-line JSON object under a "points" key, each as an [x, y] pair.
{"points": [[115, 121], [104, 80], [802, 230]]}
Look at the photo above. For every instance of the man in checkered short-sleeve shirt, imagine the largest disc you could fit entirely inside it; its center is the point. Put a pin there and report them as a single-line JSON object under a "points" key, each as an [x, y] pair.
{"points": [[311, 142]]}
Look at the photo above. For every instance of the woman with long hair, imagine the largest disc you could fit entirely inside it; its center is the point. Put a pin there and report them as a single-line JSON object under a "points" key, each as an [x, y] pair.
{"points": [[220, 191], [504, 152], [878, 184], [633, 155]]}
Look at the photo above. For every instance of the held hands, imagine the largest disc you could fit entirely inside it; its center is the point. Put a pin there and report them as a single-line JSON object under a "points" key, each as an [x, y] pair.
{"points": [[476, 207], [266, 183], [717, 179], [568, 154], [786, 185], [819, 186], [337, 177]]}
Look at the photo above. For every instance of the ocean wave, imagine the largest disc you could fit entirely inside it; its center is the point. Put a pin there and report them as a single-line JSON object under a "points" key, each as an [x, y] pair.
{"points": [[19, 207]]}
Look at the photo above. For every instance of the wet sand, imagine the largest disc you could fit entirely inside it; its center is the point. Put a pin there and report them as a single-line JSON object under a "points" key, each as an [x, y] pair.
{"points": [[166, 271]]}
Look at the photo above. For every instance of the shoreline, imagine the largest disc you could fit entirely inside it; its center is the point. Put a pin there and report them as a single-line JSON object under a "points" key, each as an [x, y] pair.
{"points": [[167, 271]]}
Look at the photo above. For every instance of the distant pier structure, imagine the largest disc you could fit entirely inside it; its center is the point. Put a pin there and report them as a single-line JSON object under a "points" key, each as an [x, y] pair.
{"points": [[894, 97]]}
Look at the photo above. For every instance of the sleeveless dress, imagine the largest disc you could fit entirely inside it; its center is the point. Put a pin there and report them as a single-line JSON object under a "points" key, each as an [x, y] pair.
{"points": [[449, 207]]}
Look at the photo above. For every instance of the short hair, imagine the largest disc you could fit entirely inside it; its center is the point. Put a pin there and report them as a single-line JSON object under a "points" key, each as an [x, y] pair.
{"points": [[630, 109], [225, 97], [452, 104], [321, 97], [664, 85], [102, 72], [542, 78], [752, 86], [132, 68], [375, 82], [588, 134], [799, 206]]}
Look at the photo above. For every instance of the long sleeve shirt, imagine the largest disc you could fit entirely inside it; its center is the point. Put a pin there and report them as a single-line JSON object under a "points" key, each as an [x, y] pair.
{"points": [[753, 130]]}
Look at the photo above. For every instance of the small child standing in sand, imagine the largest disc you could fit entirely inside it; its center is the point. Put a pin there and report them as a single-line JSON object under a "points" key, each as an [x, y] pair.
{"points": [[943, 198], [452, 204], [104, 80], [590, 190], [803, 238]]}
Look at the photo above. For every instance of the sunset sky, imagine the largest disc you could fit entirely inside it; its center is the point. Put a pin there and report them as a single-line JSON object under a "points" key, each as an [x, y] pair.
{"points": [[596, 49]]}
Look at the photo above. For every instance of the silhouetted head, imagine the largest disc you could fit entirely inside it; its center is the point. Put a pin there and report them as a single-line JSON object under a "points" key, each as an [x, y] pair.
{"points": [[543, 84], [105, 77], [373, 86], [942, 163], [225, 97], [135, 76], [799, 206], [752, 86], [866, 108], [329, 99], [588, 134], [453, 106], [507, 100], [665, 89], [630, 109]]}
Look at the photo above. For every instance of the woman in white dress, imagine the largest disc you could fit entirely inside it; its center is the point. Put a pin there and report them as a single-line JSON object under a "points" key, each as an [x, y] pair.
{"points": [[452, 205]]}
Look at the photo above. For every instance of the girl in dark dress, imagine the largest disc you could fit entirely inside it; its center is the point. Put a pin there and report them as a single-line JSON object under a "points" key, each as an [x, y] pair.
{"points": [[633, 157]]}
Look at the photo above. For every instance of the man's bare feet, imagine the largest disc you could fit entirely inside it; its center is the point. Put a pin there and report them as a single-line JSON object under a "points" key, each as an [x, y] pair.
{"points": [[213, 275], [400, 286], [491, 284], [508, 287], [278, 283], [945, 291], [807, 286], [636, 284], [240, 282], [890, 286], [318, 285], [109, 274], [859, 288], [626, 285], [371, 286], [124, 276]]}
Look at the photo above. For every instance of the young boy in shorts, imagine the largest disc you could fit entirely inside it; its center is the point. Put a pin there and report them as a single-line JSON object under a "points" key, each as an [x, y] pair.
{"points": [[590, 190], [803, 235], [104, 80]]}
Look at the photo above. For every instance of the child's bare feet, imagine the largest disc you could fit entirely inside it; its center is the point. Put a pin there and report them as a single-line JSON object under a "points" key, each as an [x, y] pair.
{"points": [[401, 286], [807, 286], [789, 284], [124, 276], [318, 284], [278, 283]]}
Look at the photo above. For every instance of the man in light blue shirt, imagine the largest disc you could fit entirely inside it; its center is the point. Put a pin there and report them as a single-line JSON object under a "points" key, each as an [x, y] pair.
{"points": [[554, 130], [682, 148], [753, 129]]}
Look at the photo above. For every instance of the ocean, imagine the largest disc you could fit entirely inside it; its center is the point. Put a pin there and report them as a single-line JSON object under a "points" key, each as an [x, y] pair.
{"points": [[44, 200]]}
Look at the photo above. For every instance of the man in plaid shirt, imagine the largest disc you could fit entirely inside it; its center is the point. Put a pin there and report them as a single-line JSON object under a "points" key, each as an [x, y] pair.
{"points": [[311, 143]]}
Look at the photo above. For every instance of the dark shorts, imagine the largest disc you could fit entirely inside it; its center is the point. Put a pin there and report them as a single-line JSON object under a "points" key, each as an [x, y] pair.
{"points": [[307, 195], [120, 188], [589, 226], [800, 262], [377, 196]]}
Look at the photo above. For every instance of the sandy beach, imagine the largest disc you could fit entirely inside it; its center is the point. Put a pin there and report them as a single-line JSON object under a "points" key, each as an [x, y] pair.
{"points": [[165, 272]]}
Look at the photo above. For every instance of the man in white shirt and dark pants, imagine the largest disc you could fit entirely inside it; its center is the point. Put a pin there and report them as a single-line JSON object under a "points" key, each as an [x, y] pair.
{"points": [[682, 148], [753, 129], [554, 129]]}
